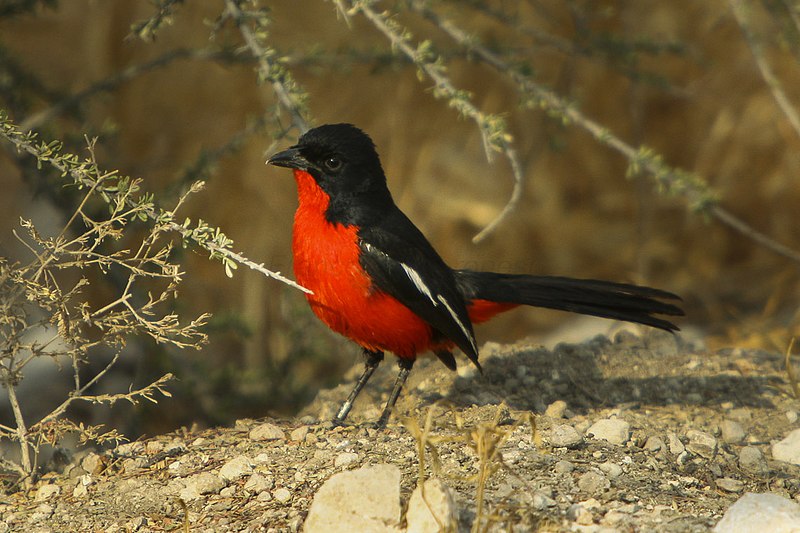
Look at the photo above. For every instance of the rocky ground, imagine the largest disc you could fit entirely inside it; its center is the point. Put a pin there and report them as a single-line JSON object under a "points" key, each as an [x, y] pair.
{"points": [[633, 433]]}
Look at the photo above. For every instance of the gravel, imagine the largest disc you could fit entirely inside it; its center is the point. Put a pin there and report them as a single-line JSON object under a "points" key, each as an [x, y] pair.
{"points": [[669, 456]]}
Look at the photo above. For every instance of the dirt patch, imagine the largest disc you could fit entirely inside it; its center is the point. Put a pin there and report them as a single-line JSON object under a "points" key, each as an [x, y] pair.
{"points": [[700, 431]]}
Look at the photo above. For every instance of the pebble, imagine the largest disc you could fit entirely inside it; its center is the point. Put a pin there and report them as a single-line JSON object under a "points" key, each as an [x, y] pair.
{"points": [[344, 459], [732, 431], [556, 409], [436, 509], [791, 416], [564, 436], [752, 460], [299, 434], [757, 513], [613, 430], [236, 468], [365, 499], [730, 485], [701, 443], [282, 495], [593, 482], [45, 492], [788, 449], [579, 514], [42, 512], [654, 444], [612, 470], [258, 483], [676, 447], [92, 463], [564, 467], [199, 484], [541, 501], [266, 432]]}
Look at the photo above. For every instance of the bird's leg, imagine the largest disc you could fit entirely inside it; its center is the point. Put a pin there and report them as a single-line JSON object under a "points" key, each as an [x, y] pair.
{"points": [[373, 359], [405, 368]]}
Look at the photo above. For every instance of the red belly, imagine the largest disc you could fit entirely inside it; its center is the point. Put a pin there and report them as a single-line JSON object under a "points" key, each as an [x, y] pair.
{"points": [[326, 261]]}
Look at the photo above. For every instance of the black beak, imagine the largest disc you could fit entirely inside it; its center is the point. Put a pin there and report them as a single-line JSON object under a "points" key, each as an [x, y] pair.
{"points": [[290, 158]]}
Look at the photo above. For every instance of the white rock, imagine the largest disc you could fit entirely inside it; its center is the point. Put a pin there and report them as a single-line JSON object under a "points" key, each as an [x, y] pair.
{"points": [[435, 511], [730, 485], [299, 434], [593, 482], [236, 468], [732, 431], [199, 484], [46, 492], [541, 501], [564, 436], [612, 470], [676, 447], [701, 443], [282, 495], [267, 432], [258, 483], [345, 458], [788, 450], [365, 500], [759, 513], [613, 430], [752, 460]]}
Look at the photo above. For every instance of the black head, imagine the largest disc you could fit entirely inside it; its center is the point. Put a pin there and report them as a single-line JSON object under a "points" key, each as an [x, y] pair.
{"points": [[340, 157]]}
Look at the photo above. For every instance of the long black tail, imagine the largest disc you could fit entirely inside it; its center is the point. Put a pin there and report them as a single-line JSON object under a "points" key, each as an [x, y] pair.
{"points": [[606, 299]]}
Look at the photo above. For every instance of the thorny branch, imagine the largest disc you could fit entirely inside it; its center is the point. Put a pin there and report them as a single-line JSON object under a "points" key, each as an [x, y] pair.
{"points": [[213, 240], [672, 180], [291, 98], [740, 11], [492, 127]]}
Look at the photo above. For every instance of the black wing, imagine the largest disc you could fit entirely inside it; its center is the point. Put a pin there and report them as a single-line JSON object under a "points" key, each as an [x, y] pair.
{"points": [[402, 263]]}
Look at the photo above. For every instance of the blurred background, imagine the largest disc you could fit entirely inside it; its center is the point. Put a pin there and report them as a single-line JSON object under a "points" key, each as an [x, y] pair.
{"points": [[710, 87]]}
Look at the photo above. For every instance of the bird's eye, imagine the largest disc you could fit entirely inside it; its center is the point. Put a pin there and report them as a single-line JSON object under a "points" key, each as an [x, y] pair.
{"points": [[332, 164]]}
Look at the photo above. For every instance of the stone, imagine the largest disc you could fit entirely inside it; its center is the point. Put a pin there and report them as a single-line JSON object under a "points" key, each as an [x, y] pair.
{"points": [[751, 460], [654, 444], [197, 485], [434, 511], [788, 449], [258, 483], [730, 485], [344, 459], [282, 494], [613, 430], [267, 432], [236, 468], [675, 444], [366, 500], [612, 470], [541, 501], [565, 436], [732, 431], [299, 434], [556, 409], [593, 482], [758, 513], [701, 443], [564, 467], [45, 492]]}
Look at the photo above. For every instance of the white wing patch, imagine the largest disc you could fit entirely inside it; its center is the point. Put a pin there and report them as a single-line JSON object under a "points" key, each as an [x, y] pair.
{"points": [[458, 321], [416, 279], [418, 282]]}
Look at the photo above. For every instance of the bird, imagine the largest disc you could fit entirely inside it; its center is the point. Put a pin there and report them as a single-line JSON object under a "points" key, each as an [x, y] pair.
{"points": [[375, 278]]}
